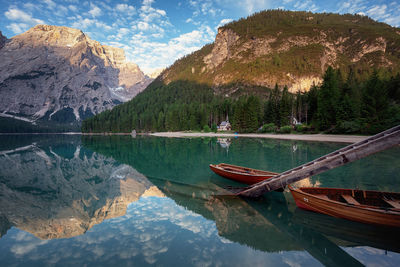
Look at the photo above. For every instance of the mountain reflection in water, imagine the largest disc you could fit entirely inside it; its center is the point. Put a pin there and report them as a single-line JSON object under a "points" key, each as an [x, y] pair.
{"points": [[66, 187], [60, 190]]}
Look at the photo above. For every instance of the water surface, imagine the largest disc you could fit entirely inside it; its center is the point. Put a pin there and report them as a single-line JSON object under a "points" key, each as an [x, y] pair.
{"points": [[117, 200]]}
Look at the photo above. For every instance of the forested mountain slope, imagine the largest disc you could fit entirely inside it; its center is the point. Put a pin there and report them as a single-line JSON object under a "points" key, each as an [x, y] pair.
{"points": [[290, 48], [336, 73]]}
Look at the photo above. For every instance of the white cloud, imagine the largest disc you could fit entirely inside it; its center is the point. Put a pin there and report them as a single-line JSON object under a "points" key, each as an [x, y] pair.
{"points": [[30, 6], [60, 11], [87, 23], [148, 2], [151, 55], [378, 12], [205, 7], [307, 5], [388, 13], [73, 8], [148, 27], [143, 26], [252, 6], [19, 15], [188, 39], [49, 4], [223, 22], [83, 23], [121, 34], [161, 12], [102, 25], [23, 20], [123, 31], [95, 11], [125, 8], [148, 13], [18, 28], [352, 7], [395, 20]]}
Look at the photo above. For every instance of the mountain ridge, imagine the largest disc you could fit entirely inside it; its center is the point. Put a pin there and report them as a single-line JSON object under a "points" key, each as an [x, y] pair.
{"points": [[290, 48], [58, 74]]}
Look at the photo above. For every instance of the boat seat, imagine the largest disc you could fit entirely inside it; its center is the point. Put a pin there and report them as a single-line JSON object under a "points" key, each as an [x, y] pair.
{"points": [[349, 199], [325, 197], [393, 203]]}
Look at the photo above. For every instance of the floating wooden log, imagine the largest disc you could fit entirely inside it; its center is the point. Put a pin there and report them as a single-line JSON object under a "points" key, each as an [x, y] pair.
{"points": [[356, 151]]}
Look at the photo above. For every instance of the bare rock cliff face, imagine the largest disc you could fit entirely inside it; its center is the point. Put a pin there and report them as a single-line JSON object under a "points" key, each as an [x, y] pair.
{"points": [[59, 74], [228, 46], [222, 48]]}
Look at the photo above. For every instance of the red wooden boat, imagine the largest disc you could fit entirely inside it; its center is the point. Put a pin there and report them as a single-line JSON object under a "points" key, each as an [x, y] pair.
{"points": [[241, 174], [372, 207]]}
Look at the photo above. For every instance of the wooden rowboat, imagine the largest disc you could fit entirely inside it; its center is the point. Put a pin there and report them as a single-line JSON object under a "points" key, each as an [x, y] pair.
{"points": [[241, 174], [372, 207]]}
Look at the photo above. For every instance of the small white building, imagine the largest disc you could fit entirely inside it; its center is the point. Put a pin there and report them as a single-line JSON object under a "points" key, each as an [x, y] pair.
{"points": [[225, 126], [224, 142], [295, 121]]}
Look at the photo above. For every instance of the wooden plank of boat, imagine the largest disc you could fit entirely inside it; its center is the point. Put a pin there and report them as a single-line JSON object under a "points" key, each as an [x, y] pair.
{"points": [[241, 174], [394, 204], [372, 207], [349, 199], [322, 196]]}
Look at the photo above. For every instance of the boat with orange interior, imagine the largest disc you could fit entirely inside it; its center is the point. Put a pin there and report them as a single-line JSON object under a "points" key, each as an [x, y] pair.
{"points": [[372, 207], [241, 174]]}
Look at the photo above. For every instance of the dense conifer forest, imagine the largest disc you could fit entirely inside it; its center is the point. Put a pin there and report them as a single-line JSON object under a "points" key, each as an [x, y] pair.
{"points": [[339, 105]]}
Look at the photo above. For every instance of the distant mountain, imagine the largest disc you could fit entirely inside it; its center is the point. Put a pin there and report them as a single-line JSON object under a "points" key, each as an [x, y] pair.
{"points": [[290, 48], [154, 74], [54, 75]]}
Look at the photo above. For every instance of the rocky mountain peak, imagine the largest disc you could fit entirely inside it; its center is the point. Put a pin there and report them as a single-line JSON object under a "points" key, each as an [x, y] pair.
{"points": [[54, 73], [55, 35]]}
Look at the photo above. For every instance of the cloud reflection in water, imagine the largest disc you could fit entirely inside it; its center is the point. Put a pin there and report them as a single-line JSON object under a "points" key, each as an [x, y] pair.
{"points": [[154, 231]]}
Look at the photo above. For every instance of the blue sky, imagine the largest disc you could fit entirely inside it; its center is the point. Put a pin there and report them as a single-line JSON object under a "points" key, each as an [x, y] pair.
{"points": [[154, 33]]}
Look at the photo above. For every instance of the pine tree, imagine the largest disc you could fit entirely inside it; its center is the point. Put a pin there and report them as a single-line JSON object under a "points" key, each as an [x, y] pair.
{"points": [[268, 112], [312, 105], [375, 104], [285, 109], [253, 106], [276, 105], [160, 121], [328, 99]]}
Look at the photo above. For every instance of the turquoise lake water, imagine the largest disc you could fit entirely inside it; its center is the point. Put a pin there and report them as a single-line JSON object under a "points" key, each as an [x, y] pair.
{"points": [[123, 201]]}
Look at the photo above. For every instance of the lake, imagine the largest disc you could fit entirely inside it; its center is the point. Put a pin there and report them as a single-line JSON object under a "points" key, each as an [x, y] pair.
{"points": [[123, 201]]}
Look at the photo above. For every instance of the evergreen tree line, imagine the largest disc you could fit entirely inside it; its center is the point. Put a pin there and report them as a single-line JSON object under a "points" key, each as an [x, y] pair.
{"points": [[339, 105]]}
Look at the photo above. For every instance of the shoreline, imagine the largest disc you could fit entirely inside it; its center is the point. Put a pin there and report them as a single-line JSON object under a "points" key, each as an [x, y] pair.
{"points": [[301, 137]]}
